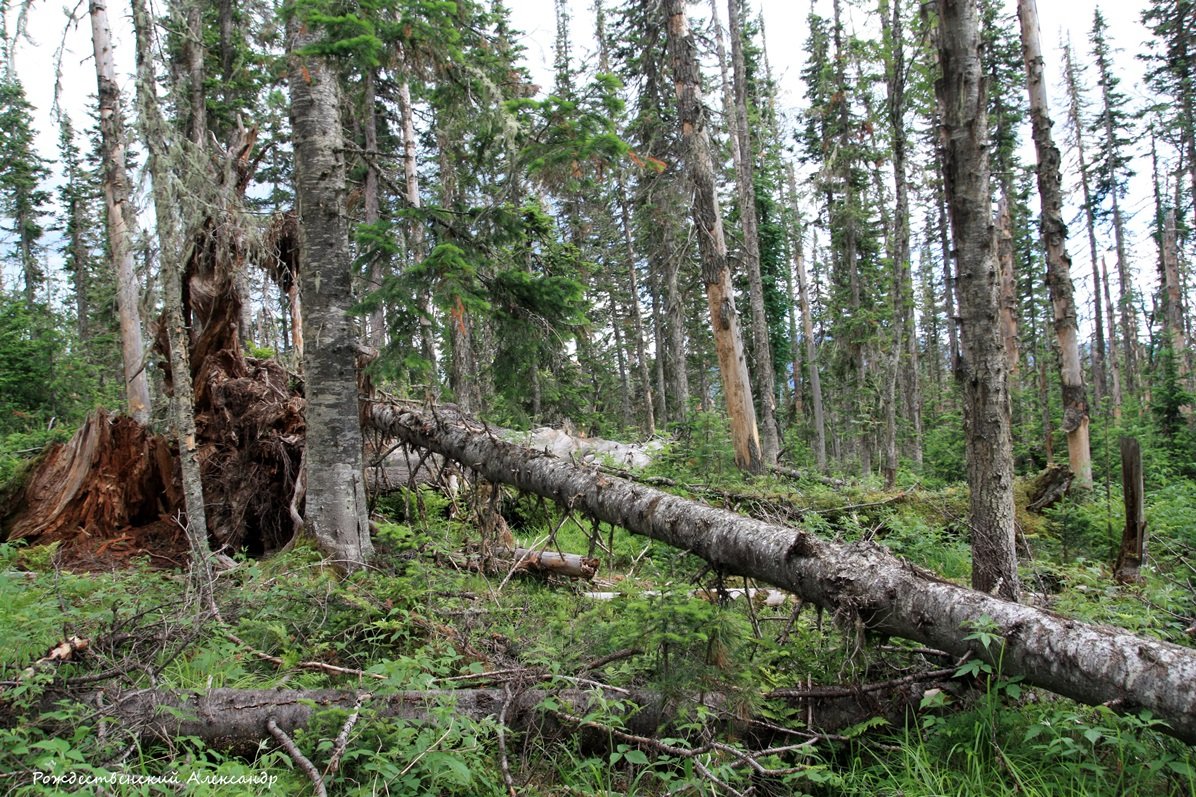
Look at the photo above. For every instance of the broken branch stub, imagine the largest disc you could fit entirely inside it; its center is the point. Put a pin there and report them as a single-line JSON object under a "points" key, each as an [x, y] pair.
{"points": [[1089, 663]]}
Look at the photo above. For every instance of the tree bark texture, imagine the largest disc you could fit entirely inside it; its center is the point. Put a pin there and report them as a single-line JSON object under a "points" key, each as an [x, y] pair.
{"points": [[1173, 310], [905, 334], [119, 211], [720, 296], [637, 319], [1114, 361], [335, 509], [1100, 387], [1054, 233], [416, 238], [746, 187], [236, 718], [1005, 264], [1133, 536], [370, 190], [170, 255], [986, 407], [807, 320], [1088, 663]]}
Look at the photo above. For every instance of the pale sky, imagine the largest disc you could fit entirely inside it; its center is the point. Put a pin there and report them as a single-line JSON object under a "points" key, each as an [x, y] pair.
{"points": [[786, 35]]}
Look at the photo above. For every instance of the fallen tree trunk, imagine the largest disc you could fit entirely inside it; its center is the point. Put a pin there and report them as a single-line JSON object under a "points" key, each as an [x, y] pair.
{"points": [[235, 719], [1088, 663], [228, 718]]}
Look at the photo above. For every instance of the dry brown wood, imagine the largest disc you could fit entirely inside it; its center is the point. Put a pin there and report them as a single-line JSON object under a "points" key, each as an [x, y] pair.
{"points": [[1089, 663], [1133, 537], [554, 563]]}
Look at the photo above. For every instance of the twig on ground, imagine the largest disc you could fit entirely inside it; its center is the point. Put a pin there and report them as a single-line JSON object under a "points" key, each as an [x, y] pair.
{"points": [[297, 756], [342, 738], [618, 655], [847, 691], [306, 665], [502, 742]]}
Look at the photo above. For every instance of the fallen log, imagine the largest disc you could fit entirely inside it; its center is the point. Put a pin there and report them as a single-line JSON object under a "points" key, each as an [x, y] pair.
{"points": [[1097, 665], [760, 597], [571, 565], [233, 717], [236, 719]]}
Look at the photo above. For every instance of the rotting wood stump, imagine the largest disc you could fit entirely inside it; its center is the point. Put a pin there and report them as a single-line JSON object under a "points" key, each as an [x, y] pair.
{"points": [[108, 493]]}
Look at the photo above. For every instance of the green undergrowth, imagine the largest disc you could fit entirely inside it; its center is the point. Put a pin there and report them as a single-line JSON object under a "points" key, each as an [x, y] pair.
{"points": [[424, 618]]}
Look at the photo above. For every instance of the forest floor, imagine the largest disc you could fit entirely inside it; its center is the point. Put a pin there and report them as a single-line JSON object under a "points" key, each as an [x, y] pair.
{"points": [[651, 678]]}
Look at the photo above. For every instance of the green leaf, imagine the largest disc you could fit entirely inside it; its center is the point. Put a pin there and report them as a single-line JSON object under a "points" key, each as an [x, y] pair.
{"points": [[636, 757]]}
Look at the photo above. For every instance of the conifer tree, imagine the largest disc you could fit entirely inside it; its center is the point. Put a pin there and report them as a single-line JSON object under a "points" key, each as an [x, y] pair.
{"points": [[1171, 74], [1112, 129], [1077, 108], [77, 197], [707, 218], [745, 181], [23, 200]]}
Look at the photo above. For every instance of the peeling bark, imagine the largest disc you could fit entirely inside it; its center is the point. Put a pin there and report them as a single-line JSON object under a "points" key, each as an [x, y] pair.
{"points": [[117, 189], [1088, 663], [720, 298], [1054, 233], [335, 511], [746, 187], [982, 371]]}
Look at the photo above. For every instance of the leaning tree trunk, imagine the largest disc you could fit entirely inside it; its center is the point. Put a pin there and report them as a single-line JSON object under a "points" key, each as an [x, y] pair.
{"points": [[335, 508], [746, 186], [720, 297], [116, 199], [1092, 664], [986, 409], [1054, 232], [170, 254]]}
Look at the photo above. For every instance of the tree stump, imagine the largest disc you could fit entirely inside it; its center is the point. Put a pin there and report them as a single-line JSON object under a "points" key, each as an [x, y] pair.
{"points": [[1133, 537]]}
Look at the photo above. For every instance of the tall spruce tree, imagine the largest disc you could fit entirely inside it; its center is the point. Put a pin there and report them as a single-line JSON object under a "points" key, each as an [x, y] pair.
{"points": [[1171, 73], [1112, 129], [23, 199]]}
